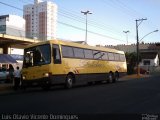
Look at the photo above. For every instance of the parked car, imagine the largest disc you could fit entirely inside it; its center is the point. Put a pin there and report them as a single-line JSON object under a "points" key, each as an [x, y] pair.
{"points": [[142, 71], [4, 74]]}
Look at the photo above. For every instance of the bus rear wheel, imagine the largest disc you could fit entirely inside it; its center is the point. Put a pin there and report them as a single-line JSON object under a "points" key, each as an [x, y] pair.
{"points": [[69, 81], [110, 78]]}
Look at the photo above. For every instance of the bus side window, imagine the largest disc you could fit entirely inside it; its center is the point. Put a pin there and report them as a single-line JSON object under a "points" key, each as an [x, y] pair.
{"points": [[56, 55], [117, 57], [111, 56], [122, 57]]}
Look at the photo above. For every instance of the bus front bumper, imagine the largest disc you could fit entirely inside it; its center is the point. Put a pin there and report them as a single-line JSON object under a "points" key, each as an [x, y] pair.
{"points": [[53, 80]]}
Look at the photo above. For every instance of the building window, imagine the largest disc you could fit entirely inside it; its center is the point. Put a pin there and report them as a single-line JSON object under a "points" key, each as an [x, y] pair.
{"points": [[146, 62], [7, 18], [2, 28]]}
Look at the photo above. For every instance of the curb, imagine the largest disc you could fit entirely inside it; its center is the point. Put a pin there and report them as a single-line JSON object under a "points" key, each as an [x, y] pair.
{"points": [[5, 88], [134, 76]]}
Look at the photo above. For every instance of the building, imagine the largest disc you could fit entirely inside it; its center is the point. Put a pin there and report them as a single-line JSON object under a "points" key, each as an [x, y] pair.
{"points": [[149, 59], [149, 53], [143, 47], [41, 20], [130, 48], [80, 42], [12, 25]]}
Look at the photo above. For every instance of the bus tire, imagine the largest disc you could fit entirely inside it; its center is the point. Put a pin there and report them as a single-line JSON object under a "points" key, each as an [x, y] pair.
{"points": [[110, 78], [69, 81], [46, 85]]}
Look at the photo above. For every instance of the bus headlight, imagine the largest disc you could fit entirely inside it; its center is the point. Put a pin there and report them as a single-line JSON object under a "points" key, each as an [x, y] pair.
{"points": [[24, 77], [46, 75]]}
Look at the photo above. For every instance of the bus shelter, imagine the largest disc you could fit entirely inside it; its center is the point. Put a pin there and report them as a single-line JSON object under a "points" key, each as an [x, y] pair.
{"points": [[7, 59]]}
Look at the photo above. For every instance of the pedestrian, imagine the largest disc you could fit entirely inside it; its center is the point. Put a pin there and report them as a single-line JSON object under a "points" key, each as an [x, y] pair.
{"points": [[11, 73], [17, 77]]}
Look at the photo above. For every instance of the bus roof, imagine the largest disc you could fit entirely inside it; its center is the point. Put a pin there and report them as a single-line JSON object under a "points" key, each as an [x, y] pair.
{"points": [[69, 43]]}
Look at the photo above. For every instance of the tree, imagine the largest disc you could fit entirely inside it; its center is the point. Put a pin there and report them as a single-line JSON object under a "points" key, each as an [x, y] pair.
{"points": [[131, 59]]}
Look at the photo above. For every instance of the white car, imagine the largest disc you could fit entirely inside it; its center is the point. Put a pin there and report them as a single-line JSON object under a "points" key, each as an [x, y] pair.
{"points": [[4, 74]]}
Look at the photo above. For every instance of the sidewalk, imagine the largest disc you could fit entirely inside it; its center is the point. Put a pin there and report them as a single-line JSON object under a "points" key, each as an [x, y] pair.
{"points": [[134, 76], [5, 88]]}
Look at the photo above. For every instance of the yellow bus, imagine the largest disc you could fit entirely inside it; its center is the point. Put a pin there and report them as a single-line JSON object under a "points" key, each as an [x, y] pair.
{"points": [[59, 62]]}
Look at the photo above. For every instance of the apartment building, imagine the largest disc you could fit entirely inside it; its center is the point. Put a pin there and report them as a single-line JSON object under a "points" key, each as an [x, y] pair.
{"points": [[41, 20], [12, 25]]}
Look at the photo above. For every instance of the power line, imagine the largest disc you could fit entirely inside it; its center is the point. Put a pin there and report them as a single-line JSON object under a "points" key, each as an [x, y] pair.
{"points": [[114, 5], [24, 1], [89, 31], [93, 21], [11, 6], [98, 25], [133, 11], [67, 24], [71, 16], [120, 5], [90, 23]]}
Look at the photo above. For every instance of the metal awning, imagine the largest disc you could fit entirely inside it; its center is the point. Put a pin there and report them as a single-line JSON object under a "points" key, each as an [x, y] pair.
{"points": [[5, 58]]}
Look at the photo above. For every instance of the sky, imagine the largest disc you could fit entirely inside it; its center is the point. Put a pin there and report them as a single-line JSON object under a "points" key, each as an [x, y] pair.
{"points": [[107, 22]]}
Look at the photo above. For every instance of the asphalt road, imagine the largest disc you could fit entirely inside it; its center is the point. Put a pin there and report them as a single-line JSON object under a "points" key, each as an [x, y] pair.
{"points": [[136, 96]]}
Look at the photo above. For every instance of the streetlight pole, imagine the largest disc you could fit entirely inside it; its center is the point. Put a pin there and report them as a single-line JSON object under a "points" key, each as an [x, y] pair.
{"points": [[86, 13], [137, 25], [148, 34], [126, 35]]}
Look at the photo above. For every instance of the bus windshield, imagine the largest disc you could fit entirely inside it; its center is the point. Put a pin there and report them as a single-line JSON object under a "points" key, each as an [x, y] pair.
{"points": [[38, 55]]}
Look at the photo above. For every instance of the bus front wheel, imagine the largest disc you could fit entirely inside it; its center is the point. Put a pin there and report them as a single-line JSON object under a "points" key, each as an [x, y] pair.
{"points": [[69, 81], [46, 85]]}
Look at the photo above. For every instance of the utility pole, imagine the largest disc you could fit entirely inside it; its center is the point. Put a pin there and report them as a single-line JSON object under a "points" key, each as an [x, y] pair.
{"points": [[86, 13], [126, 35], [137, 25]]}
